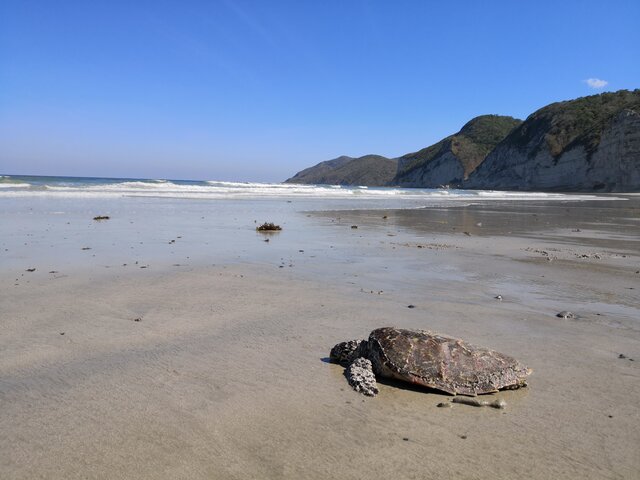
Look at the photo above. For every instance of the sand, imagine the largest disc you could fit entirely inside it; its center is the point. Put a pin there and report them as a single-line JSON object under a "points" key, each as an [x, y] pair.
{"points": [[217, 368]]}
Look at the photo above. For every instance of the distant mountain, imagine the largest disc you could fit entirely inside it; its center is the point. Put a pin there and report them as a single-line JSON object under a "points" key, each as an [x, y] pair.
{"points": [[371, 170], [451, 160], [588, 144]]}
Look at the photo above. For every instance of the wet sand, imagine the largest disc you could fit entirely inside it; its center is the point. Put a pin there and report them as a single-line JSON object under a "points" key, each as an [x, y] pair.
{"points": [[211, 362]]}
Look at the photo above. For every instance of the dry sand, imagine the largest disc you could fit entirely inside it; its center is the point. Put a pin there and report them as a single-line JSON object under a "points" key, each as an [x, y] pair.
{"points": [[220, 371]]}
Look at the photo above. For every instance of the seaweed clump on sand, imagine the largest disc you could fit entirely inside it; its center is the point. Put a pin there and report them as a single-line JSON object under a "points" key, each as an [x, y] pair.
{"points": [[101, 217], [269, 227]]}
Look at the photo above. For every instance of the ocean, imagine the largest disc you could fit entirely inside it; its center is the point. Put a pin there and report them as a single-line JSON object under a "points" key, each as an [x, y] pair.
{"points": [[18, 186]]}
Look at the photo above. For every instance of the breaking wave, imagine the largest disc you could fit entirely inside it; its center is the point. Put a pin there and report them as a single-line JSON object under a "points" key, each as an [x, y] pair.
{"points": [[15, 186]]}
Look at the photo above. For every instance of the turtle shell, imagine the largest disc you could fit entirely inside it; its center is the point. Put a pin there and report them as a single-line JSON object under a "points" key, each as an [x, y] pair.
{"points": [[442, 363]]}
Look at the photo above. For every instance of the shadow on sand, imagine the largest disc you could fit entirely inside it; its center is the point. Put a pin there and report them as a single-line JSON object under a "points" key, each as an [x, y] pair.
{"points": [[397, 383]]}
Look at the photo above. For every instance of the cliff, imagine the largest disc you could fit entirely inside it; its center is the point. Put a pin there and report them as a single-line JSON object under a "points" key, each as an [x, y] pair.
{"points": [[588, 144], [451, 160], [371, 170]]}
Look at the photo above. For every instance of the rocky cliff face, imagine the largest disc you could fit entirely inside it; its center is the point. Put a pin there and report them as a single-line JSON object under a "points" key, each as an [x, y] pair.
{"points": [[444, 169], [451, 160], [588, 144], [371, 170]]}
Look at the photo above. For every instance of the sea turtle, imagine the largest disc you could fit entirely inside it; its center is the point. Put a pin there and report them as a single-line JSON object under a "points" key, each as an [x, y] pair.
{"points": [[428, 359]]}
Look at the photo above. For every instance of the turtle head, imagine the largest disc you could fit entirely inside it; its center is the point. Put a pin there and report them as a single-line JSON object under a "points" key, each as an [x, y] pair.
{"points": [[346, 352]]}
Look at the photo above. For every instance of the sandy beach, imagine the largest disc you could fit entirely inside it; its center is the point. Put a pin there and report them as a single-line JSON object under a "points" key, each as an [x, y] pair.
{"points": [[173, 341], [450, 196]]}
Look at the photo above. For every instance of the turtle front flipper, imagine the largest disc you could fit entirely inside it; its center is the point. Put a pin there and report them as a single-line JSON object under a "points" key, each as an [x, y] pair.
{"points": [[361, 377]]}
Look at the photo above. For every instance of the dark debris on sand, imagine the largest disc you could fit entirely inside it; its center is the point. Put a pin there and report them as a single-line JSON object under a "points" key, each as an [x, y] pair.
{"points": [[268, 227]]}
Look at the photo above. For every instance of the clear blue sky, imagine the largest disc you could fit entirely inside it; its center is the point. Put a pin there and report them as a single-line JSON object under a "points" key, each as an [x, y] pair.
{"points": [[257, 90]]}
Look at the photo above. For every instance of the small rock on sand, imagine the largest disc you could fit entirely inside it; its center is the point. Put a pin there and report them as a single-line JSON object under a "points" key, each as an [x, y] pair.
{"points": [[565, 314], [476, 402]]}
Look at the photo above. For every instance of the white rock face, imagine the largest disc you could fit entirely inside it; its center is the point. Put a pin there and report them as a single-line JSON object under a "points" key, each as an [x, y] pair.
{"points": [[442, 170], [613, 167]]}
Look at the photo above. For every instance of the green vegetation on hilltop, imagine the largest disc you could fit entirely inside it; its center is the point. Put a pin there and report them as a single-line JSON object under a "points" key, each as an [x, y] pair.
{"points": [[599, 134], [587, 144], [563, 125], [372, 170], [470, 145]]}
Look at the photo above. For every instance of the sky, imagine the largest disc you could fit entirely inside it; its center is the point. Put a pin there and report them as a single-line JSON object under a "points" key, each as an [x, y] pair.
{"points": [[257, 90]]}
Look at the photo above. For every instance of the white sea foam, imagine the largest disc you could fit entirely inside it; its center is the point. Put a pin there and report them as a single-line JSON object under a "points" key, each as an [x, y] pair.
{"points": [[14, 185], [228, 190]]}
